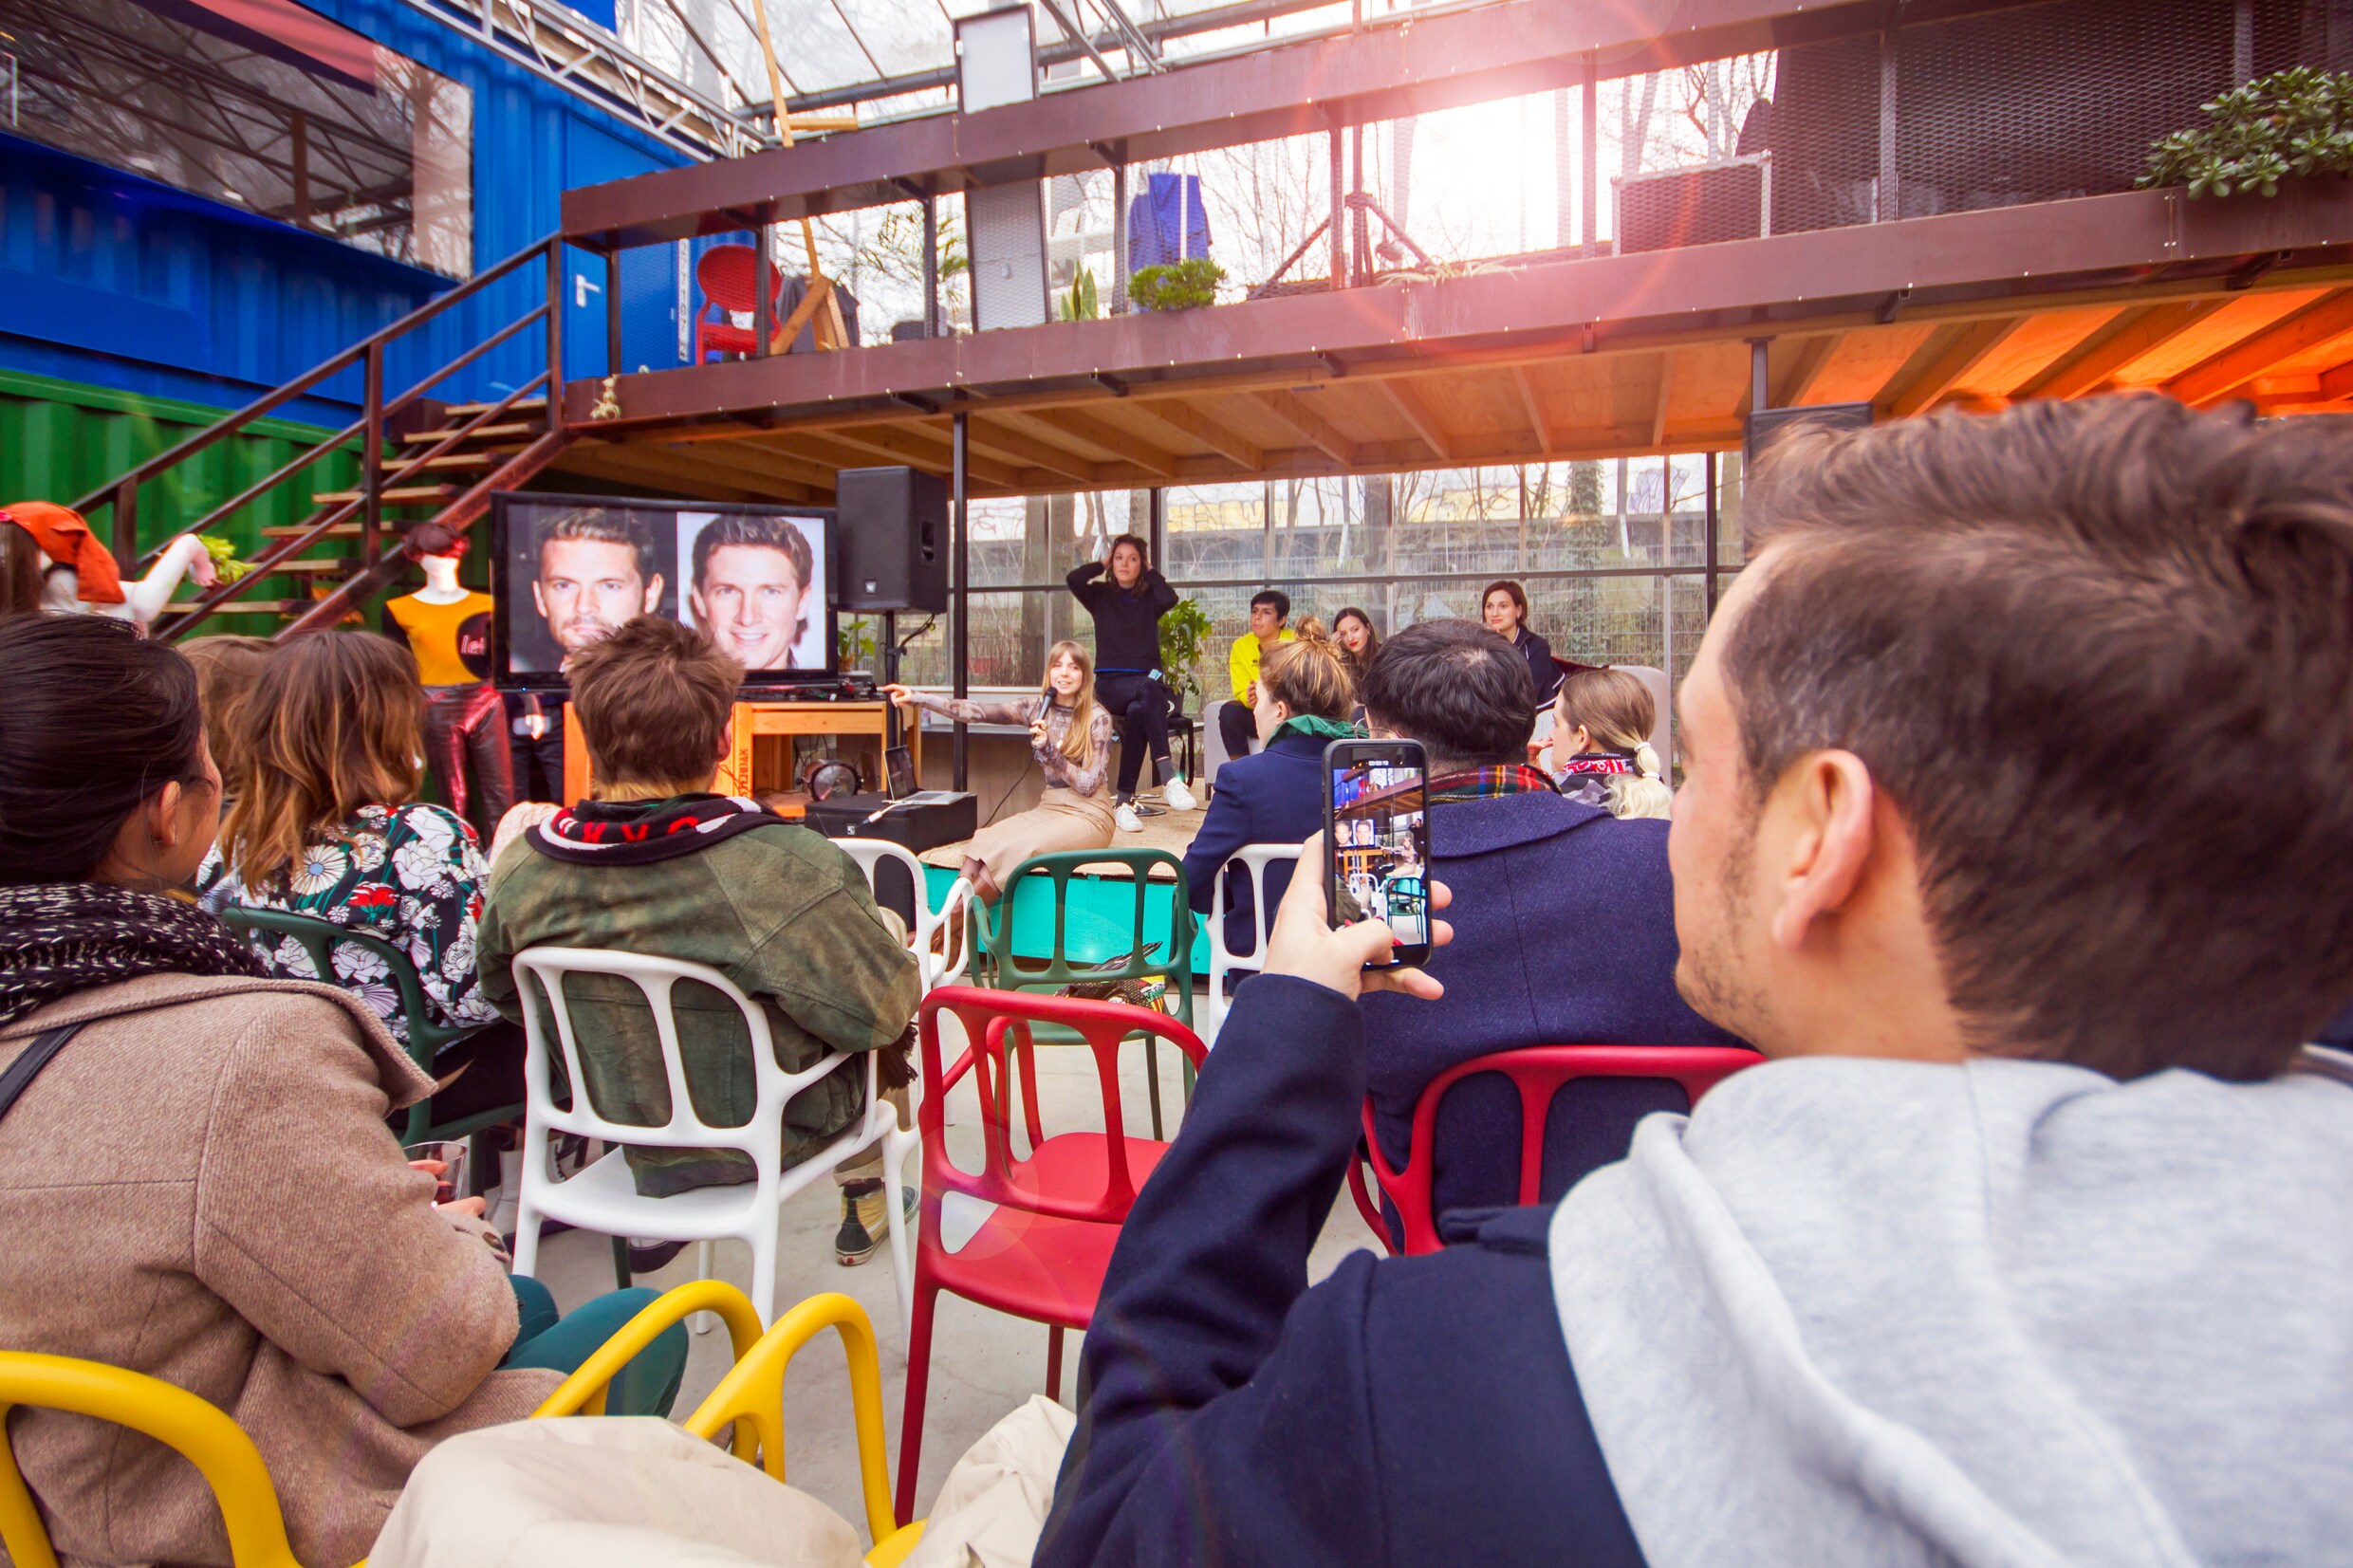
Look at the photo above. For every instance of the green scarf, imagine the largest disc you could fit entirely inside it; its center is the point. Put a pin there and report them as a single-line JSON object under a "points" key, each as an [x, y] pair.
{"points": [[1323, 729]]}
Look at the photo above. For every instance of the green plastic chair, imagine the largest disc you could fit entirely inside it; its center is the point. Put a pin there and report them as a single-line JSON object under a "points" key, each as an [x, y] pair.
{"points": [[319, 939], [1170, 958]]}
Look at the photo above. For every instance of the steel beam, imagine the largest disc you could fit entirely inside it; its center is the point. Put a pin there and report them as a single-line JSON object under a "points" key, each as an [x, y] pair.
{"points": [[1414, 63]]}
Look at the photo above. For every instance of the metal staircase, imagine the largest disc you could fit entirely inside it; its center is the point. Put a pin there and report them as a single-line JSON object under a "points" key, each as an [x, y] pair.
{"points": [[427, 460]]}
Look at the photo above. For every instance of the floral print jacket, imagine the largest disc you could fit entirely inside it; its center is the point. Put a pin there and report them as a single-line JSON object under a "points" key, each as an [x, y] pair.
{"points": [[410, 875]]}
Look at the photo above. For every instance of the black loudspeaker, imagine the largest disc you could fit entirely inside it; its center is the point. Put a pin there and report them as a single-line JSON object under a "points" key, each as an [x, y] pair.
{"points": [[892, 534], [1765, 428]]}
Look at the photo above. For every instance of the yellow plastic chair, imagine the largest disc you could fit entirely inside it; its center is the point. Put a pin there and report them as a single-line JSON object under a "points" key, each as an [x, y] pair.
{"points": [[173, 1416], [233, 1466], [752, 1399]]}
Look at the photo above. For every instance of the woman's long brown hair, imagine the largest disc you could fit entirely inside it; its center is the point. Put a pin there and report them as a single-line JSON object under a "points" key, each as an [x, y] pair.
{"points": [[334, 723], [1078, 742]]}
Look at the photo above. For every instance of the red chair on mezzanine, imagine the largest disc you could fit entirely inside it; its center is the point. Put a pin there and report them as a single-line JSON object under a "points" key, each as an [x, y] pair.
{"points": [[1042, 1251], [723, 275], [1537, 1073]]}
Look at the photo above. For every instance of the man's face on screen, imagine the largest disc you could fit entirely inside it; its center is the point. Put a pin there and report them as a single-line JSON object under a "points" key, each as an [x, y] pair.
{"points": [[748, 598], [587, 588]]}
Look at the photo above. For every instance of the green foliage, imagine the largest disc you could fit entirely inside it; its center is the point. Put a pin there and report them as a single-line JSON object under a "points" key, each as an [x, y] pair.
{"points": [[1081, 303], [1176, 285], [223, 556], [1184, 635], [853, 642], [2297, 121], [1584, 490]]}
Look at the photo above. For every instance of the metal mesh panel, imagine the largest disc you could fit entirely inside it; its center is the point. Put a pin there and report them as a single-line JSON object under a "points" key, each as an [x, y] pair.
{"points": [[1700, 206], [1825, 135]]}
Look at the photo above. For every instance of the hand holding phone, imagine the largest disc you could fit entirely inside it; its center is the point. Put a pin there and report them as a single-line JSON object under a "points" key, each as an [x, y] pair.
{"points": [[1376, 839], [1350, 959]]}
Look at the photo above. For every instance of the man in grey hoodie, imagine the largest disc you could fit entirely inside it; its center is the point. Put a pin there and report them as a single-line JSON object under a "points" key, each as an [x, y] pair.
{"points": [[2016, 814]]}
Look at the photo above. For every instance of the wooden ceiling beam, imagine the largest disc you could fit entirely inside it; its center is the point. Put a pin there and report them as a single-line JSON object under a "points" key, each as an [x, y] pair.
{"points": [[2337, 383], [1797, 381], [751, 457], [2211, 380], [995, 435], [2130, 335], [1417, 413], [1119, 443], [1292, 410], [1949, 354], [904, 445], [1535, 410], [1189, 420], [643, 465], [1658, 402]]}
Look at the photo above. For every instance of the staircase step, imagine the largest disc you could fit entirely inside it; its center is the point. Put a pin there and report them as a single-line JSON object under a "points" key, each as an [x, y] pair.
{"points": [[338, 565], [255, 607], [340, 530], [521, 405], [481, 433], [446, 460], [396, 495]]}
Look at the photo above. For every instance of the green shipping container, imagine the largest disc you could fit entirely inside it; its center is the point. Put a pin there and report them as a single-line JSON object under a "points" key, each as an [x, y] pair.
{"points": [[60, 440]]}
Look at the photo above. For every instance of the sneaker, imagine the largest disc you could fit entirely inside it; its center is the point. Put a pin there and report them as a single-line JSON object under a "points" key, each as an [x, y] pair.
{"points": [[1179, 797], [865, 1223], [1126, 818]]}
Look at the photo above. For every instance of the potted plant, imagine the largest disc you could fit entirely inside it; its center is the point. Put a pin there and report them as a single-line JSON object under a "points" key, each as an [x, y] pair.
{"points": [[1184, 635], [2292, 122], [1176, 285]]}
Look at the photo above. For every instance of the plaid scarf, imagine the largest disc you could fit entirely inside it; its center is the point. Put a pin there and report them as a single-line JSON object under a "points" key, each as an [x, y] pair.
{"points": [[56, 938], [1487, 784]]}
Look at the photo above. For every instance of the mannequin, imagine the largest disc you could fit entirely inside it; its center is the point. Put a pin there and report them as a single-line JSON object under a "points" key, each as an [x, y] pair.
{"points": [[447, 626], [79, 577]]}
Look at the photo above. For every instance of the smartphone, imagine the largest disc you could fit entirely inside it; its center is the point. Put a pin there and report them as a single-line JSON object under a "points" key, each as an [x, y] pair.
{"points": [[1377, 841]]}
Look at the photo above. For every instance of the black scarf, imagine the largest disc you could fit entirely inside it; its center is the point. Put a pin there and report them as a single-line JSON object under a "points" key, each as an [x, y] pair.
{"points": [[56, 938], [636, 833]]}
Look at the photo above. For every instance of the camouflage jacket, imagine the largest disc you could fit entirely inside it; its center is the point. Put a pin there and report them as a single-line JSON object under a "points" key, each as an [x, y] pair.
{"points": [[776, 909]]}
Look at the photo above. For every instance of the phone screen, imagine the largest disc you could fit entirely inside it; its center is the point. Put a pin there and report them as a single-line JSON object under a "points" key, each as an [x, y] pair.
{"points": [[899, 763], [1377, 839]]}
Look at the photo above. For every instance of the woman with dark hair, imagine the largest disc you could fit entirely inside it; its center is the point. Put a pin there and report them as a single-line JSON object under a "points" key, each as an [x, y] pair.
{"points": [[1352, 629], [196, 1178], [1504, 607], [1126, 597], [328, 825]]}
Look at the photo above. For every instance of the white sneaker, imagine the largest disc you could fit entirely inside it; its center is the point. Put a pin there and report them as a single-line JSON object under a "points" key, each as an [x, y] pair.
{"points": [[1126, 818], [1177, 796]]}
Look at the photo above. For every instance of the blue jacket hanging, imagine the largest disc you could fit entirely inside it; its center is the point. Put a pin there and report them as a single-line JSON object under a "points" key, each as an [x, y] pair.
{"points": [[1166, 222]]}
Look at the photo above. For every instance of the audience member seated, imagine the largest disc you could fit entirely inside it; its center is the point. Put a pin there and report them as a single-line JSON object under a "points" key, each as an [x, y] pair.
{"points": [[1564, 927], [1237, 722], [328, 825], [1276, 797], [226, 669], [198, 1184], [2025, 1247], [657, 864], [1504, 608], [1359, 641], [1600, 744]]}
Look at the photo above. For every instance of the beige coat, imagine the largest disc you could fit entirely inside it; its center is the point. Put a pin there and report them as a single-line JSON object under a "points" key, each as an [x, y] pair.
{"points": [[207, 1192]]}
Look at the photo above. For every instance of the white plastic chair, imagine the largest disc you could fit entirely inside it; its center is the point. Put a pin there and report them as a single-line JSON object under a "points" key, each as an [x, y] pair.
{"points": [[939, 967], [603, 1196], [1222, 962]]}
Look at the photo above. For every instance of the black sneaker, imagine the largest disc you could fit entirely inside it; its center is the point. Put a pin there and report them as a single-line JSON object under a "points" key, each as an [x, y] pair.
{"points": [[864, 1222]]}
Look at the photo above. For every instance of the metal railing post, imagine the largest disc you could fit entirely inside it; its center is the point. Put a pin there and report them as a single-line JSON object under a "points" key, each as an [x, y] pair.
{"points": [[762, 303], [612, 313], [960, 628], [555, 334], [126, 520], [371, 452], [933, 326]]}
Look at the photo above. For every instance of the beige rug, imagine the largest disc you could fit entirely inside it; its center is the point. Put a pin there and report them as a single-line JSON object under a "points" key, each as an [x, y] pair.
{"points": [[1171, 832]]}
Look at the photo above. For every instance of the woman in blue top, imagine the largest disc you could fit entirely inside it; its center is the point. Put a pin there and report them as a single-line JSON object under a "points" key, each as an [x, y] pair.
{"points": [[1275, 796]]}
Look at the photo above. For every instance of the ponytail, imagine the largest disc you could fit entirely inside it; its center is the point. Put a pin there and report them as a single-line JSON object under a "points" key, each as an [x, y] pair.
{"points": [[1617, 709]]}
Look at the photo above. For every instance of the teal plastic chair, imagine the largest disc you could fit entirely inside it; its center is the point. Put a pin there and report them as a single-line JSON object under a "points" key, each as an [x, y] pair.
{"points": [[1149, 954], [319, 939]]}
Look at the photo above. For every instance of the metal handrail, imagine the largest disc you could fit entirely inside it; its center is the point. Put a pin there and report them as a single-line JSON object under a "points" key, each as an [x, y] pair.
{"points": [[123, 492]]}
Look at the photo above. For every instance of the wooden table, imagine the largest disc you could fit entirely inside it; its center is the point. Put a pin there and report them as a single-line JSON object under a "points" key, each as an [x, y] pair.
{"points": [[741, 772]]}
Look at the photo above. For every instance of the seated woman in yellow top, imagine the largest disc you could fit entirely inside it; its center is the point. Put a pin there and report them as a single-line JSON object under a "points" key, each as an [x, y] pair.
{"points": [[1270, 614]]}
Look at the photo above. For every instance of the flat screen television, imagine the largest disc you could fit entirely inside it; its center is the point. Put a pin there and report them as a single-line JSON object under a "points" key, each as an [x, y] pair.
{"points": [[567, 570]]}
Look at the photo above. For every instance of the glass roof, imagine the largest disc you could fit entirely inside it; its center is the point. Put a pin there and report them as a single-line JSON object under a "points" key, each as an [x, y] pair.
{"points": [[892, 58]]}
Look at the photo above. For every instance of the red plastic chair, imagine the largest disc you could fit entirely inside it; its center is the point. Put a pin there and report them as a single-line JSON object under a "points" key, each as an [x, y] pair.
{"points": [[1041, 1254], [1537, 1072], [723, 275]]}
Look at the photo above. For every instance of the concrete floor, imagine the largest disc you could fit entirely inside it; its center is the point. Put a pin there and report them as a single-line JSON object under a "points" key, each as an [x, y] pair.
{"points": [[983, 1364]]}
